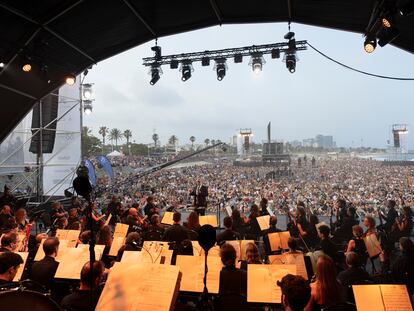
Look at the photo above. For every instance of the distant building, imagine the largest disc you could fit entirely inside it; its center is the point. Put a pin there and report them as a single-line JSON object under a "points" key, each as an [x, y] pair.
{"points": [[320, 141]]}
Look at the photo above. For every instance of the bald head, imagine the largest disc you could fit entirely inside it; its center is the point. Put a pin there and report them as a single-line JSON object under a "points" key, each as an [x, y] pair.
{"points": [[352, 259], [86, 276], [133, 211]]}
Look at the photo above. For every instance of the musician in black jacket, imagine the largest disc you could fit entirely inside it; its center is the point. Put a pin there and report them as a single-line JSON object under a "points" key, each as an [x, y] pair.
{"points": [[391, 216], [176, 233], [228, 234], [200, 194]]}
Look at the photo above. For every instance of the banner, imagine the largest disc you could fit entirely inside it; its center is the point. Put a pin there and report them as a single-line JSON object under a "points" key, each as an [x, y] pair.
{"points": [[91, 172], [106, 165]]}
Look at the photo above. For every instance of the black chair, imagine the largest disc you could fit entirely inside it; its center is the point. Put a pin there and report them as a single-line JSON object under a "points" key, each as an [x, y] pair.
{"points": [[33, 286], [232, 301], [346, 306]]}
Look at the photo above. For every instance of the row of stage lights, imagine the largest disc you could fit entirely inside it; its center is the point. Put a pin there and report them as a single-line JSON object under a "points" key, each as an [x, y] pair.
{"points": [[382, 27], [184, 62]]}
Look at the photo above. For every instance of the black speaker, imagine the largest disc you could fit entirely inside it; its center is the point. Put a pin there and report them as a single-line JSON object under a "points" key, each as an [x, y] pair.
{"points": [[48, 114]]}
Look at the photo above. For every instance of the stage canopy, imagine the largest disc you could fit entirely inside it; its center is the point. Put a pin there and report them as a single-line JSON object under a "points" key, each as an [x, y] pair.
{"points": [[67, 36]]}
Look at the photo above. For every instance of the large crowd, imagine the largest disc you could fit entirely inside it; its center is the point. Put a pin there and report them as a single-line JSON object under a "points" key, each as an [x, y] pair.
{"points": [[363, 200]]}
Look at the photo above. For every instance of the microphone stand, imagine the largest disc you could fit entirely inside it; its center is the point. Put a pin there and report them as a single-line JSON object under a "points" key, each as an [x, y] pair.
{"points": [[205, 303], [92, 242]]}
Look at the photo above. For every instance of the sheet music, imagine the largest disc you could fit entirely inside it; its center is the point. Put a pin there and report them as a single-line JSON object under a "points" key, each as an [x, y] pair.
{"points": [[121, 230], [73, 260], [228, 210], [262, 282], [263, 222], [19, 273], [291, 259], [278, 240], [208, 220], [168, 218], [117, 243], [70, 235], [143, 287], [368, 297], [269, 210], [395, 297], [63, 246], [192, 269]]}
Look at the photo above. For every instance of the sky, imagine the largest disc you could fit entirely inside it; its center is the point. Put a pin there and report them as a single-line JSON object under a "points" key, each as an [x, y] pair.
{"points": [[319, 98]]}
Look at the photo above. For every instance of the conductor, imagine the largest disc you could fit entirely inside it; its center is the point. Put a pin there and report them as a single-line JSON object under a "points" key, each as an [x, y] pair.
{"points": [[200, 193]]}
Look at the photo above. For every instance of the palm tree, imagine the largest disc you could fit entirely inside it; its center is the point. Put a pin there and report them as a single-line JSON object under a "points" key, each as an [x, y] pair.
{"points": [[155, 138], [192, 139], [115, 134], [213, 141], [103, 130], [128, 135], [173, 141], [207, 141]]}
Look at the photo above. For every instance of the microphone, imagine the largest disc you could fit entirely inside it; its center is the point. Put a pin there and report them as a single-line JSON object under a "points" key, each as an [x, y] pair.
{"points": [[207, 237]]}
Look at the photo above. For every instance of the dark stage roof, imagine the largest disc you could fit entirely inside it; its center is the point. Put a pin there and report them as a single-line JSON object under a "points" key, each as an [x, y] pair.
{"points": [[65, 36]]}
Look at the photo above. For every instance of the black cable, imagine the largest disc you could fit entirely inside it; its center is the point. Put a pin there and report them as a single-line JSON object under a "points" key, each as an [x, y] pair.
{"points": [[357, 70]]}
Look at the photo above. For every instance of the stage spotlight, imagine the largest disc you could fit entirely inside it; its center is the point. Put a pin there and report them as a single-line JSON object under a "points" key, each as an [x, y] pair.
{"points": [[157, 51], [220, 68], [205, 61], [407, 9], [186, 69], [370, 44], [387, 35], [291, 62], [238, 58], [70, 79], [275, 53], [86, 91], [27, 67], [1, 65], [87, 106], [257, 62], [174, 64], [155, 72]]}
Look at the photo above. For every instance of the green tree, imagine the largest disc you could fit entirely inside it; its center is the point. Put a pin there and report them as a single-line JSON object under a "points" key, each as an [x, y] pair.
{"points": [[139, 149], [128, 135], [103, 131], [155, 138], [91, 145], [207, 141], [115, 135]]}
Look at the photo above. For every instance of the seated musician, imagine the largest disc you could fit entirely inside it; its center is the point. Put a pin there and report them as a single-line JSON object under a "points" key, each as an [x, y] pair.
{"points": [[150, 208], [73, 216], [132, 243], [155, 224], [133, 219], [5, 216], [176, 233], [9, 242], [402, 270], [232, 280], [80, 299], [21, 219], [296, 292], [9, 264], [193, 222], [253, 228], [272, 225], [293, 244], [57, 212], [228, 234], [344, 231], [238, 223], [44, 270], [252, 256], [326, 244], [354, 274]]}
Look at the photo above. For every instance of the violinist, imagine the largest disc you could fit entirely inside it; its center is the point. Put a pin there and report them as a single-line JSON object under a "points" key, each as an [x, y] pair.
{"points": [[253, 226], [344, 231], [134, 219], [390, 218], [404, 224], [150, 208]]}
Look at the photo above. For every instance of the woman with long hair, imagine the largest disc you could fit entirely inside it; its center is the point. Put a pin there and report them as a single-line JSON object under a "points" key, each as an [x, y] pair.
{"points": [[193, 222], [252, 256], [357, 244], [326, 290]]}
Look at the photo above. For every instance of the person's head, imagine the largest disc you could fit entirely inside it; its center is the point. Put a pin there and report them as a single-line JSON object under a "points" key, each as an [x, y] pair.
{"points": [[5, 209], [87, 278], [20, 215], [273, 221], [301, 211], [341, 204], [150, 199], [254, 210], [51, 246], [252, 253], [133, 212], [263, 203], [329, 287], [55, 205], [351, 211], [85, 236], [293, 244], [193, 220], [406, 246], [73, 212], [76, 225], [324, 232], [357, 231], [235, 214], [296, 292], [9, 241], [228, 222], [352, 259], [228, 254], [105, 236], [114, 199], [391, 203], [177, 217], [407, 211], [9, 264], [62, 223], [133, 238], [155, 219], [369, 222]]}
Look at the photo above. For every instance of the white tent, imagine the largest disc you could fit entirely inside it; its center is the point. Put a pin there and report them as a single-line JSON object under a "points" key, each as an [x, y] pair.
{"points": [[115, 154]]}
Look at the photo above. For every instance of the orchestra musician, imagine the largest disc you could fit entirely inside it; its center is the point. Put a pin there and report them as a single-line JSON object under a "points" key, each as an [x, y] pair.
{"points": [[390, 218], [200, 194], [150, 207]]}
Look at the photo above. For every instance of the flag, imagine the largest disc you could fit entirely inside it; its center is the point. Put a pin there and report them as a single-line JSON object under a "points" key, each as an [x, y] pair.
{"points": [[106, 165], [91, 172]]}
